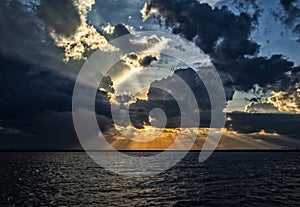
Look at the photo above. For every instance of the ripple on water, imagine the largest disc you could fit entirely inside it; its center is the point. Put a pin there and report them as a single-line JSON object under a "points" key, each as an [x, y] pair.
{"points": [[227, 178]]}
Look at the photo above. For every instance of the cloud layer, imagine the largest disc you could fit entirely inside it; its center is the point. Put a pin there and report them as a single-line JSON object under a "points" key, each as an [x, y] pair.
{"points": [[225, 37]]}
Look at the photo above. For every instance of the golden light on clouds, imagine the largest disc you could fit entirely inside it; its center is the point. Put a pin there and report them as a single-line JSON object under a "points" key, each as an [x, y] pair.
{"points": [[109, 29], [147, 11], [152, 138], [85, 37], [129, 74], [286, 101]]}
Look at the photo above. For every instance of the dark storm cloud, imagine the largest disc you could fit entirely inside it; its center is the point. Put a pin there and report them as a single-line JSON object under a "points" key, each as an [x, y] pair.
{"points": [[61, 17], [107, 85], [36, 86], [225, 37], [217, 32], [147, 60], [284, 124], [260, 70], [24, 97], [158, 98], [138, 61], [191, 79], [38, 106], [36, 99], [24, 36], [9, 131], [140, 110], [24, 93]]}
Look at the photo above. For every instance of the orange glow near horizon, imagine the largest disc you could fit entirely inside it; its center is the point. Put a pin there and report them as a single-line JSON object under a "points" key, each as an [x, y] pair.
{"points": [[151, 138]]}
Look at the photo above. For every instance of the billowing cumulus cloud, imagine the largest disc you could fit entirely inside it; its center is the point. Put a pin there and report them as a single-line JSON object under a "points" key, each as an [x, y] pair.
{"points": [[225, 37], [286, 95], [265, 72], [138, 61], [37, 86], [217, 32], [62, 18], [286, 101], [145, 58], [84, 38], [163, 99]]}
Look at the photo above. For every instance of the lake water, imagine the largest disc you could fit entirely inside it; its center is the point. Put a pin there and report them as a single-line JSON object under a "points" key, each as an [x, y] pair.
{"points": [[226, 178]]}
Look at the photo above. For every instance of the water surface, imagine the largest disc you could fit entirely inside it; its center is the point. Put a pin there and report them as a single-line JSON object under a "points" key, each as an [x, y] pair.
{"points": [[226, 178]]}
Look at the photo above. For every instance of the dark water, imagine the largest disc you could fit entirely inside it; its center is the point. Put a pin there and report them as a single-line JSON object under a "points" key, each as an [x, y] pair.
{"points": [[226, 179]]}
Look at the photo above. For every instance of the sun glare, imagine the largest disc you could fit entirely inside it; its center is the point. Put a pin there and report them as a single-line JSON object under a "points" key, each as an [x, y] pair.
{"points": [[135, 70]]}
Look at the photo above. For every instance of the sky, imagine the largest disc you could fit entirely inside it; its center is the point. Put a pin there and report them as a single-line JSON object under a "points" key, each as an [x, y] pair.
{"points": [[253, 45]]}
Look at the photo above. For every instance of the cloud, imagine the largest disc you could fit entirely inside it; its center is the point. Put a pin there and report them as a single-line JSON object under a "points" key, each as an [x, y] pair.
{"points": [[159, 98], [263, 71], [287, 101], [147, 11], [24, 35], [138, 61], [111, 32], [191, 79], [35, 108], [35, 98], [62, 18], [46, 32], [84, 38], [225, 37], [4, 130], [217, 32], [140, 110], [291, 15], [106, 84], [283, 124], [131, 65], [257, 107], [285, 95]]}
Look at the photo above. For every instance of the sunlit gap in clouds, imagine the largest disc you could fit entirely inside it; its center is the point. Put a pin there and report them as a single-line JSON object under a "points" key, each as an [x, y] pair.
{"points": [[153, 138]]}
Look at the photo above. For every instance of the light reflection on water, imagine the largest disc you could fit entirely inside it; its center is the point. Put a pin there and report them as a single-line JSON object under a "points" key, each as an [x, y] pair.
{"points": [[226, 178]]}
